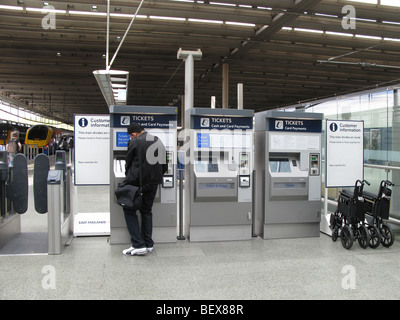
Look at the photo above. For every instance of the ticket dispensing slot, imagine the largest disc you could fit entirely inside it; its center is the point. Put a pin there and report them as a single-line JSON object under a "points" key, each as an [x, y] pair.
{"points": [[287, 180], [119, 167], [214, 181]]}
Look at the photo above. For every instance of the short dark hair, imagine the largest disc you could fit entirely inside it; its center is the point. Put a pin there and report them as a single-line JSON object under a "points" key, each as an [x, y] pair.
{"points": [[135, 127]]}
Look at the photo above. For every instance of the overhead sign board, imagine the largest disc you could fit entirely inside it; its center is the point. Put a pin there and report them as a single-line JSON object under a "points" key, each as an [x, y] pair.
{"points": [[344, 153], [222, 122], [294, 125]]}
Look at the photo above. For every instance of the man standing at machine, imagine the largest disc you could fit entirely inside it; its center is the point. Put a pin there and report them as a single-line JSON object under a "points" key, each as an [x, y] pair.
{"points": [[144, 167]]}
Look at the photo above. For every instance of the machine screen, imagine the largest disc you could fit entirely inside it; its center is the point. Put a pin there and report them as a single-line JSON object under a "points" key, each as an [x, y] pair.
{"points": [[279, 165], [122, 139], [205, 166]]}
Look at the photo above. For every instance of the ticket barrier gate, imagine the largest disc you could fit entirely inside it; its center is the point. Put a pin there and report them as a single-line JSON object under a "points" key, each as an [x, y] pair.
{"points": [[13, 195], [59, 217]]}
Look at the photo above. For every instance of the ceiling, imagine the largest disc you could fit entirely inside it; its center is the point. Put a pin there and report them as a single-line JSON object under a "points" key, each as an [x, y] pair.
{"points": [[284, 52]]}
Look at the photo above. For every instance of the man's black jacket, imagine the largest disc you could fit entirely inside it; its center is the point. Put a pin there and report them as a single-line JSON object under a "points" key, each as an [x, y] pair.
{"points": [[146, 159]]}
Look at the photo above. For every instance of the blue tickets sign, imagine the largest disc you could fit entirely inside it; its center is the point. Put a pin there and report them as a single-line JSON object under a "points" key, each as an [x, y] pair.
{"points": [[160, 121], [219, 122], [295, 125]]}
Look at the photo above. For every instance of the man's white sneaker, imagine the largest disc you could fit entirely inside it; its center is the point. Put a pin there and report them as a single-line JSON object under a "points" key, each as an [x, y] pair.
{"points": [[138, 252], [149, 250], [128, 251], [132, 251]]}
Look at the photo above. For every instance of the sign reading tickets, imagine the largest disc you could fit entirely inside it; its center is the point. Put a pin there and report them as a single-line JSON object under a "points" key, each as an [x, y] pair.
{"points": [[92, 149], [344, 153]]}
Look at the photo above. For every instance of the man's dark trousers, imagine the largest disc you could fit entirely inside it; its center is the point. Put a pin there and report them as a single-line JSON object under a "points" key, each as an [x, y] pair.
{"points": [[141, 236]]}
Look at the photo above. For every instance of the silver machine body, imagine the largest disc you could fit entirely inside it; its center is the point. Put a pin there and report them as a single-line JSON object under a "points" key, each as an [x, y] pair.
{"points": [[160, 122], [218, 177], [288, 174]]}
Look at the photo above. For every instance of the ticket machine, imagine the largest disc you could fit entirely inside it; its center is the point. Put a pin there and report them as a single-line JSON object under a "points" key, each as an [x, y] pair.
{"points": [[218, 186], [288, 171], [160, 122]]}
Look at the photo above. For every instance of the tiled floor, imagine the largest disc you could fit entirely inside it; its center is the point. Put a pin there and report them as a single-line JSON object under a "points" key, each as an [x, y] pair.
{"points": [[308, 268]]}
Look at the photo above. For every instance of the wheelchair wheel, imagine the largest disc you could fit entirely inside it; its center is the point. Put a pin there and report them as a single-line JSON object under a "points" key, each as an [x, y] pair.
{"points": [[347, 237], [375, 237], [387, 235], [335, 233], [363, 236], [334, 226]]}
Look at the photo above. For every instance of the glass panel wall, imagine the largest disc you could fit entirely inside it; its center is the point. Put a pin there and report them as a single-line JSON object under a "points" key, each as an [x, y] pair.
{"points": [[380, 111]]}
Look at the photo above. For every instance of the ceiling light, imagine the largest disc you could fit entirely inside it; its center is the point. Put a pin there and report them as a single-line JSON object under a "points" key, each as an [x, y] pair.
{"points": [[243, 24], [20, 2], [88, 13], [11, 7], [94, 8], [45, 4], [167, 18], [206, 21], [40, 10], [368, 37], [58, 54], [342, 34], [113, 93]]}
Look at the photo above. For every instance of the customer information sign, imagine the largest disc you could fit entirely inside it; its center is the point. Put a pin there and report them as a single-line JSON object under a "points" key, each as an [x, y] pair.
{"points": [[92, 149], [344, 153]]}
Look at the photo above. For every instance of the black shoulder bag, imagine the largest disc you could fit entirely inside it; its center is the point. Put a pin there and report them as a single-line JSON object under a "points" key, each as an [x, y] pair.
{"points": [[130, 196]]}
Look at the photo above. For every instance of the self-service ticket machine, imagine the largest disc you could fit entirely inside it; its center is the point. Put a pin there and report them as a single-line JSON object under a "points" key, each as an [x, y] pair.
{"points": [[288, 171], [160, 122], [218, 186]]}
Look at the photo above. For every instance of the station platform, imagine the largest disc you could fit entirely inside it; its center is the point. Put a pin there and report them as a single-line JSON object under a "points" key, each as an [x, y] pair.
{"points": [[257, 269]]}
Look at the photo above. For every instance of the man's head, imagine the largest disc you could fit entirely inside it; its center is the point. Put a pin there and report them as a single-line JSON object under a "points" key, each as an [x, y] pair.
{"points": [[135, 129]]}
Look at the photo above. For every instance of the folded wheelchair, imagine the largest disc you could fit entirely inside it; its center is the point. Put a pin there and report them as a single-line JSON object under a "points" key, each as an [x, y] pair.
{"points": [[377, 209], [348, 221]]}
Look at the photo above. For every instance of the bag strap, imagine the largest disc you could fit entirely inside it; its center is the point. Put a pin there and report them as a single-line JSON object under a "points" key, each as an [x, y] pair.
{"points": [[140, 167]]}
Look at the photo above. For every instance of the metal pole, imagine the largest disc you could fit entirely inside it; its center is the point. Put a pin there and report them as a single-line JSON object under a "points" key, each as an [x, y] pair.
{"points": [[240, 95], [225, 86], [213, 102], [181, 235], [108, 36], [189, 82], [126, 33]]}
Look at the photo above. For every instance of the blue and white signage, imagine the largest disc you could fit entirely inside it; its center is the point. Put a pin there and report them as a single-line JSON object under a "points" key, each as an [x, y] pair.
{"points": [[344, 153], [122, 139], [294, 125], [92, 149], [220, 122], [160, 121], [203, 140]]}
